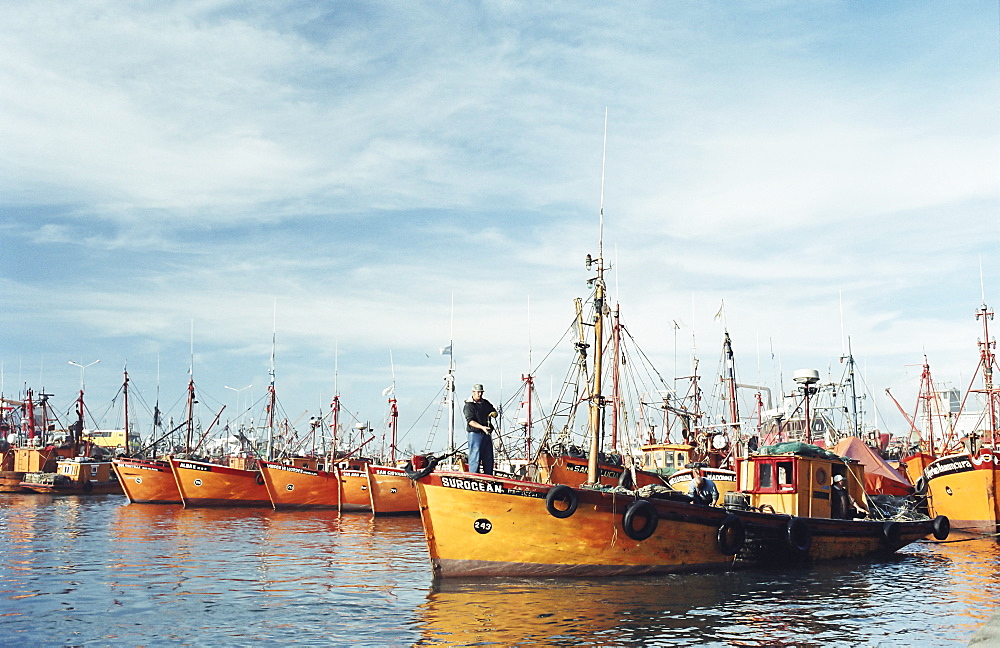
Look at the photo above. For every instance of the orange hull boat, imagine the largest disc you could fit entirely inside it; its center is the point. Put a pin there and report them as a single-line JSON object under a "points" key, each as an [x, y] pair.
{"points": [[147, 481], [206, 484], [963, 487], [299, 487], [354, 492], [392, 492]]}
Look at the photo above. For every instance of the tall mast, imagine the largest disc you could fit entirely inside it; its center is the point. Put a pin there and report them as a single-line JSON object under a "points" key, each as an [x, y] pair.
{"points": [[734, 409], [986, 346], [125, 394], [595, 392], [616, 399], [272, 397], [449, 381], [191, 401]]}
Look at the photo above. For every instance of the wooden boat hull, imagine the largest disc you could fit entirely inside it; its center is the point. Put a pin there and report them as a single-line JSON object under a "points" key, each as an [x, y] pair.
{"points": [[292, 487], [206, 484], [392, 492], [10, 482], [147, 481], [486, 526], [482, 526], [354, 492], [963, 487], [74, 488]]}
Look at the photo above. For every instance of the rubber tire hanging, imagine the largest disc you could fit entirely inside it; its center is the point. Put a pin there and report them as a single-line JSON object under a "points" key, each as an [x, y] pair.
{"points": [[561, 493], [640, 508]]}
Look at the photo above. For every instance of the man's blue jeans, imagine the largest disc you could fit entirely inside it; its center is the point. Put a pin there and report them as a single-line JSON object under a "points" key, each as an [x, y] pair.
{"points": [[480, 453]]}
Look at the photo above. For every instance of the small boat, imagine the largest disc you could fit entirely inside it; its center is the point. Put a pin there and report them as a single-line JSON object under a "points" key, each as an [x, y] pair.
{"points": [[75, 476]]}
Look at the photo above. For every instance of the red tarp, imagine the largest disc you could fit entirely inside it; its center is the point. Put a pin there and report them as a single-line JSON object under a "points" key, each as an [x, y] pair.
{"points": [[880, 477]]}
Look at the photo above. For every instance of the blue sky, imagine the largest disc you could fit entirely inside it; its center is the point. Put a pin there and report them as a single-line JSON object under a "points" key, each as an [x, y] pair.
{"points": [[340, 172]]}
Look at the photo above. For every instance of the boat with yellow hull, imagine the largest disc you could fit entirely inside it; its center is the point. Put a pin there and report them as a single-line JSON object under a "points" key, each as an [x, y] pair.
{"points": [[207, 484], [147, 481], [76, 476], [479, 525], [291, 486], [964, 487], [391, 491]]}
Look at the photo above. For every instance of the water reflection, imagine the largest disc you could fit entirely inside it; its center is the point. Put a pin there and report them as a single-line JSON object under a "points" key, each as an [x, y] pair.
{"points": [[830, 605], [100, 571]]}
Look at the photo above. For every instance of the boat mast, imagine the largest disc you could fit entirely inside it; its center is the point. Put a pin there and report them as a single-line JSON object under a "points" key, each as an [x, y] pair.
{"points": [[595, 392], [986, 346], [734, 408], [855, 424], [190, 415], [616, 399], [270, 389], [125, 394], [449, 382]]}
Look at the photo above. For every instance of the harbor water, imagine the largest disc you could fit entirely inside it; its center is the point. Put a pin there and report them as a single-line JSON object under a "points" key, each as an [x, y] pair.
{"points": [[96, 571]]}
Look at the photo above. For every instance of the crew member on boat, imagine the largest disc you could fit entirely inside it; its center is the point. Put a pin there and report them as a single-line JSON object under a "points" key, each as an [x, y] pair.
{"points": [[479, 414], [842, 505], [702, 489]]}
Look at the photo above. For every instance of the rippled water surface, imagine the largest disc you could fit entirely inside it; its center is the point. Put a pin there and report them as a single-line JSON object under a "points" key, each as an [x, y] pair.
{"points": [[101, 571]]}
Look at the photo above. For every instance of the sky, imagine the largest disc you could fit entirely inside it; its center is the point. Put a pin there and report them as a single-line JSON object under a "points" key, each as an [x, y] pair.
{"points": [[182, 183]]}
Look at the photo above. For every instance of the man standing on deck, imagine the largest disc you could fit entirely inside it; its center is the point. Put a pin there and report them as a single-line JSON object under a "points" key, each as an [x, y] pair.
{"points": [[479, 413]]}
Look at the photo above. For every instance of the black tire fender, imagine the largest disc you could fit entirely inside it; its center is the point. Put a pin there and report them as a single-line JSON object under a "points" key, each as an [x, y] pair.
{"points": [[798, 535], [88, 486], [561, 493], [260, 479], [640, 508], [890, 535], [920, 488], [732, 535], [942, 527], [432, 463]]}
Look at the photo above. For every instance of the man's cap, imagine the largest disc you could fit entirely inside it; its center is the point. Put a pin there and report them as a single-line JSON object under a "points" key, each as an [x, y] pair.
{"points": [[838, 478], [477, 387]]}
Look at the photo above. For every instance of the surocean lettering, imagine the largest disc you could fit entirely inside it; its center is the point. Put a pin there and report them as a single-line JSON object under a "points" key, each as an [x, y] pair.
{"points": [[471, 485]]}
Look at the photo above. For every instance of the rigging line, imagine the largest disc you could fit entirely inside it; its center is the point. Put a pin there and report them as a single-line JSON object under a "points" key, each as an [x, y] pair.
{"points": [[436, 401]]}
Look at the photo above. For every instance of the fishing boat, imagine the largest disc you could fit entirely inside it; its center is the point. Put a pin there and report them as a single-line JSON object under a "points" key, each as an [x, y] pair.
{"points": [[355, 492], [28, 421], [300, 482], [75, 476], [482, 525], [962, 481], [202, 483], [148, 480], [390, 491]]}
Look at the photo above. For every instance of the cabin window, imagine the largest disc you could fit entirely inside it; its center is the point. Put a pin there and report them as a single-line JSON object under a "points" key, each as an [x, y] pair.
{"points": [[785, 475], [765, 478]]}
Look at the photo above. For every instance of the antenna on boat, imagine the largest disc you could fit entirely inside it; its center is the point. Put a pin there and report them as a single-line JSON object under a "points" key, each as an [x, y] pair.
{"points": [[604, 158], [270, 389], [599, 306], [982, 285]]}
